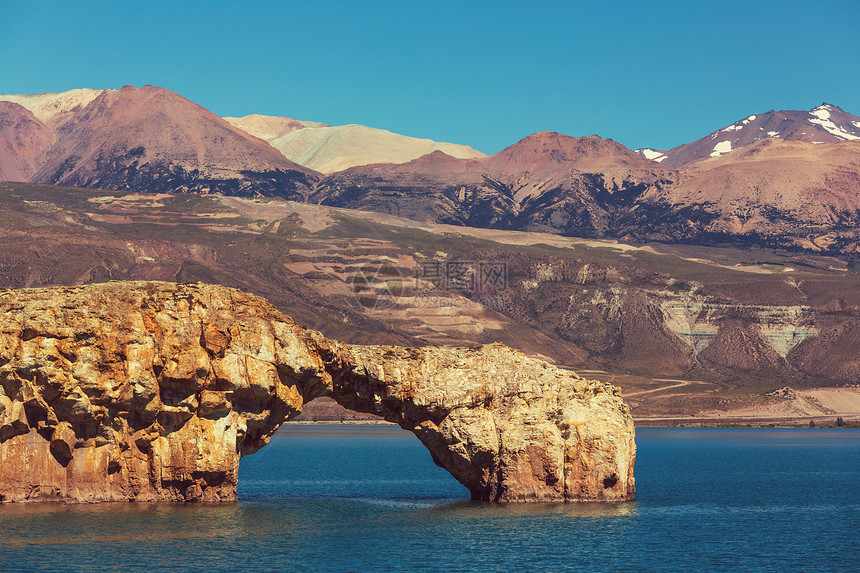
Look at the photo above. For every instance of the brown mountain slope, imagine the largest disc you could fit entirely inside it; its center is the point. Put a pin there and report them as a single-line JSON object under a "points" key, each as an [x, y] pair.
{"points": [[433, 188], [24, 141], [151, 139], [547, 182], [773, 193], [548, 150], [813, 180], [573, 186], [777, 188]]}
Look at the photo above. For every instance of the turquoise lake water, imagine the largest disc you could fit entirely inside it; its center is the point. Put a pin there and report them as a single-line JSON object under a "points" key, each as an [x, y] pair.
{"points": [[329, 498]]}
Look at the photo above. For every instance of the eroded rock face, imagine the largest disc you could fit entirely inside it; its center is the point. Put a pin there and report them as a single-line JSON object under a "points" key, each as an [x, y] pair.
{"points": [[153, 391]]}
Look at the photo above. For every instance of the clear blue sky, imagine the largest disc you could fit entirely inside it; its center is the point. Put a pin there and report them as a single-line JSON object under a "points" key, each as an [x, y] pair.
{"points": [[486, 74]]}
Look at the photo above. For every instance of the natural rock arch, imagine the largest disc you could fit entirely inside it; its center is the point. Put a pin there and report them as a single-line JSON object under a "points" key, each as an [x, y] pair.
{"points": [[153, 391]]}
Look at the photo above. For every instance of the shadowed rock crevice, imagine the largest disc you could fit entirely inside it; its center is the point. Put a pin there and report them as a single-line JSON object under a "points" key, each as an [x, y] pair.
{"points": [[154, 391]]}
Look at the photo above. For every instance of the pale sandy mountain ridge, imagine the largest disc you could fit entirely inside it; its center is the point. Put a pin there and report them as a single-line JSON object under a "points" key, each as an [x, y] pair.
{"points": [[268, 127], [54, 109], [329, 149]]}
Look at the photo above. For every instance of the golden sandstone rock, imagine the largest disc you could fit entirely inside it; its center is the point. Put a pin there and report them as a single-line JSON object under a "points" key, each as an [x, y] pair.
{"points": [[146, 391]]}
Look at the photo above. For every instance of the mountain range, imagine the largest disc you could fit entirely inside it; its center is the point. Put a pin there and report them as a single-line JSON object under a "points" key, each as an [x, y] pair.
{"points": [[772, 193], [787, 179]]}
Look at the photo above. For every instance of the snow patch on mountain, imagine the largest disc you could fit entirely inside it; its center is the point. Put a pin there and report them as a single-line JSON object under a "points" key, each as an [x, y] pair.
{"points": [[823, 118], [721, 148], [737, 126], [652, 154]]}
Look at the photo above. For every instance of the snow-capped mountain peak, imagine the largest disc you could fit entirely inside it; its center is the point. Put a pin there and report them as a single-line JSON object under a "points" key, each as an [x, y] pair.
{"points": [[825, 114], [825, 123]]}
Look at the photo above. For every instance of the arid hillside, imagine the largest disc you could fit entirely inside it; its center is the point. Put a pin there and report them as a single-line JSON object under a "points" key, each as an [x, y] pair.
{"points": [[24, 142], [684, 330]]}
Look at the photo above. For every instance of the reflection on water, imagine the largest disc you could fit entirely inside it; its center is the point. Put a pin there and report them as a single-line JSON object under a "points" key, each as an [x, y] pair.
{"points": [[477, 510], [761, 434], [369, 498], [338, 431]]}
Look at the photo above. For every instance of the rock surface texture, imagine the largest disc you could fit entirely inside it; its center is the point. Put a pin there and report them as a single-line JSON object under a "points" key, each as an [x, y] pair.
{"points": [[148, 391]]}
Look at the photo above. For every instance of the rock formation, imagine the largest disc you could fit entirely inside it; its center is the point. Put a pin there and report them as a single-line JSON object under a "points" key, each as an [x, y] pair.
{"points": [[153, 391]]}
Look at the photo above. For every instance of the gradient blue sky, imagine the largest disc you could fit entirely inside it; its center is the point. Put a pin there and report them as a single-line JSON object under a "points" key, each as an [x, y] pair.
{"points": [[486, 74]]}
